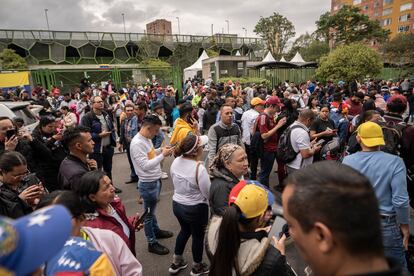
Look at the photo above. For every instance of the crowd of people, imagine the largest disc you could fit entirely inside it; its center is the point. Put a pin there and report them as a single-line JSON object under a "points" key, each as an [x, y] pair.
{"points": [[344, 157]]}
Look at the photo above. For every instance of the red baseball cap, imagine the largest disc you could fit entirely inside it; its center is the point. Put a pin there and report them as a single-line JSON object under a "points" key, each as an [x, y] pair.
{"points": [[274, 100]]}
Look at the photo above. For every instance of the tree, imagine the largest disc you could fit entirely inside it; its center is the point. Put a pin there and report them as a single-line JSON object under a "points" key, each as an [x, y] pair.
{"points": [[276, 30], [349, 25], [350, 62], [310, 48], [9, 60], [399, 50]]}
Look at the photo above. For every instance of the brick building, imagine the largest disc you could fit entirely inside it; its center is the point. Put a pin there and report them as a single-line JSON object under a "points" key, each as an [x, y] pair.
{"points": [[159, 26], [395, 15]]}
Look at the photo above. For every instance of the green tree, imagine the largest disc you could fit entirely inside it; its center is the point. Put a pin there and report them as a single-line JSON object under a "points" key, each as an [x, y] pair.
{"points": [[9, 60], [399, 50], [315, 51], [350, 62], [349, 25], [310, 48], [276, 30], [161, 69]]}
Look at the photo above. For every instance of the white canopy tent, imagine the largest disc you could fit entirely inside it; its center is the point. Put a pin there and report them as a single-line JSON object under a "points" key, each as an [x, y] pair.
{"points": [[297, 58], [191, 71], [238, 53], [283, 59], [269, 58]]}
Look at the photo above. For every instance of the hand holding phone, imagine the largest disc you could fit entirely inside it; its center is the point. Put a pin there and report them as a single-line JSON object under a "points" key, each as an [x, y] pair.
{"points": [[139, 221], [319, 143]]}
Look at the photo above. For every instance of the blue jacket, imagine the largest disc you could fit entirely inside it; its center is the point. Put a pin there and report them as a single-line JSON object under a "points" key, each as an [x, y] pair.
{"points": [[134, 127], [94, 124]]}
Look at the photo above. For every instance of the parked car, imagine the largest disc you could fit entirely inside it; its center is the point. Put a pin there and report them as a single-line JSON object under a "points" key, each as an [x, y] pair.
{"points": [[21, 110]]}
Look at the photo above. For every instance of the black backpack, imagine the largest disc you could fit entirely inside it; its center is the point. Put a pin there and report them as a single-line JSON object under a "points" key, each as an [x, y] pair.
{"points": [[257, 142], [392, 136], [285, 152]]}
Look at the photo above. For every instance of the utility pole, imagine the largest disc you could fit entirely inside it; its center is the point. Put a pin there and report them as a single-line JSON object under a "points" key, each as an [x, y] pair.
{"points": [[245, 31], [228, 26], [212, 29]]}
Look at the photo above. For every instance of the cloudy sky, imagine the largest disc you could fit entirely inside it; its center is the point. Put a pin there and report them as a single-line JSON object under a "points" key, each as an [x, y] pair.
{"points": [[196, 17]]}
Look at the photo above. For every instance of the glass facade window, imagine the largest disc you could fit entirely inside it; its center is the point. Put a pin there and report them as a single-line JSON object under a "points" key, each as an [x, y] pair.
{"points": [[402, 29], [387, 2], [356, 2], [407, 6], [404, 17], [387, 11], [386, 22]]}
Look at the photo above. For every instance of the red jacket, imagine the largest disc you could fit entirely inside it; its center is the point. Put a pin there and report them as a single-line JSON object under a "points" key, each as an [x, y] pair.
{"points": [[104, 221]]}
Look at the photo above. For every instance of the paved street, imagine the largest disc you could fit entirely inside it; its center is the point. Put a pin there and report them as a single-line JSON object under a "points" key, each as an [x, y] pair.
{"points": [[154, 264]]}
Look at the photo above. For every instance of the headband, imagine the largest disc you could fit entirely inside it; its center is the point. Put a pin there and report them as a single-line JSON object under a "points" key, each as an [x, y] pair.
{"points": [[195, 145]]}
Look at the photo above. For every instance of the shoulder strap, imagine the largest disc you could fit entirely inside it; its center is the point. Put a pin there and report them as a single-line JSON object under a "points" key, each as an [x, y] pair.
{"points": [[196, 174]]}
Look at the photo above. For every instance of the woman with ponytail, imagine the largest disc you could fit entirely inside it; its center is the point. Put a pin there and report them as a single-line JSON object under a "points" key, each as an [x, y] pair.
{"points": [[190, 202], [236, 243]]}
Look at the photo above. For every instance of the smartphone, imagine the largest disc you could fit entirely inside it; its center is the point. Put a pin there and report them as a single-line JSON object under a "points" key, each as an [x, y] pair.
{"points": [[29, 180], [142, 218], [279, 228], [10, 133], [320, 142], [189, 119]]}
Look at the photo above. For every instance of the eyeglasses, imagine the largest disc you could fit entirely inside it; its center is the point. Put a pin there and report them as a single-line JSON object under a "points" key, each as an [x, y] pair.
{"points": [[20, 175]]}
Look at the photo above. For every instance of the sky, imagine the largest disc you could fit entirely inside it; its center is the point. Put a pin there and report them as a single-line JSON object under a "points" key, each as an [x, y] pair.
{"points": [[195, 17]]}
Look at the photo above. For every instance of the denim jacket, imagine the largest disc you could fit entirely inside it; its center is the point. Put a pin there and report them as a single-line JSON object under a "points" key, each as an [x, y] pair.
{"points": [[133, 128]]}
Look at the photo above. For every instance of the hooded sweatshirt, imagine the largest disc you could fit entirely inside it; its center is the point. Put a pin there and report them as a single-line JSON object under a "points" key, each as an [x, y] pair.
{"points": [[181, 130]]}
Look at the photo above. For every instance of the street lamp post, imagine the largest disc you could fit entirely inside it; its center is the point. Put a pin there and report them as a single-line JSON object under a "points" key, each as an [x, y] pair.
{"points": [[47, 21], [228, 26], [178, 21], [245, 31], [123, 20]]}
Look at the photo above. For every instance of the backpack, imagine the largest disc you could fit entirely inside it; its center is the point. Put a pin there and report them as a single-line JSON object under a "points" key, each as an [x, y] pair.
{"points": [[285, 152], [392, 135], [257, 142]]}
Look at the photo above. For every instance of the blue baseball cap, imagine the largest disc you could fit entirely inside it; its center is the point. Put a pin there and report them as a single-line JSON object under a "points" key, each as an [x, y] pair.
{"points": [[28, 242]]}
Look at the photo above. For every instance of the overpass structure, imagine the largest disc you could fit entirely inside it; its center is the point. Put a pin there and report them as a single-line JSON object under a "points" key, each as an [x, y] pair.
{"points": [[64, 57], [44, 48]]}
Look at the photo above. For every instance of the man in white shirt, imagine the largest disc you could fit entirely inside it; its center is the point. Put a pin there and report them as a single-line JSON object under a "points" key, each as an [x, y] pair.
{"points": [[248, 120], [300, 139], [147, 165]]}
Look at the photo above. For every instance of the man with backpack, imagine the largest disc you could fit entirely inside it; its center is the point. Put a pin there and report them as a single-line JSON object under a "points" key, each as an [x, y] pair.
{"points": [[268, 132], [295, 148]]}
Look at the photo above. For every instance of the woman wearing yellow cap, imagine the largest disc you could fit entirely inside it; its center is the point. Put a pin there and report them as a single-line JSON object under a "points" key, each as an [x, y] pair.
{"points": [[234, 244]]}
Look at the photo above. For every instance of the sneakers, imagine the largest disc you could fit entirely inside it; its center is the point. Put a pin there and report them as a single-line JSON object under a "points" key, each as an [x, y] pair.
{"points": [[164, 175], [200, 269], [163, 234], [175, 268], [158, 249]]}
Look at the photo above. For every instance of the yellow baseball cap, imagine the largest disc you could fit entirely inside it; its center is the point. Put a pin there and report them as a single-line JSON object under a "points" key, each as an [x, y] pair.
{"points": [[252, 201], [256, 101], [371, 134]]}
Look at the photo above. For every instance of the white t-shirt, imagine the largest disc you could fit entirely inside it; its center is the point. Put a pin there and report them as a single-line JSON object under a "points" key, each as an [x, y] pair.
{"points": [[300, 140], [115, 215], [247, 123], [186, 190]]}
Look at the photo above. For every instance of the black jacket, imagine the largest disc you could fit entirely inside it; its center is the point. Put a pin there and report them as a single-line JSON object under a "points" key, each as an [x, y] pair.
{"points": [[27, 149], [221, 184], [49, 154], [11, 205], [70, 171], [94, 124]]}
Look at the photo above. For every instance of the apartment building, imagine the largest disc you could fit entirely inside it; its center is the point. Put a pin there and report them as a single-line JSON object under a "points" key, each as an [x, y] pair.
{"points": [[395, 15], [159, 26]]}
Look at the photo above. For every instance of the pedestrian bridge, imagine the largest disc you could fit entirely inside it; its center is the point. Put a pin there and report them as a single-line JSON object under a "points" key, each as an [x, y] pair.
{"points": [[40, 47]]}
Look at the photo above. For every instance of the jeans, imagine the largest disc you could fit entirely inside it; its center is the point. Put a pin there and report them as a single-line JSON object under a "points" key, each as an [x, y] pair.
{"points": [[393, 241], [131, 165], [193, 221], [150, 192], [266, 163], [104, 159]]}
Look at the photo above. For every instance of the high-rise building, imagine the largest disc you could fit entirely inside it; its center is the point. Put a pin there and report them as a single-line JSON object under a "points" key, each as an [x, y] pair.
{"points": [[395, 15], [159, 26]]}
